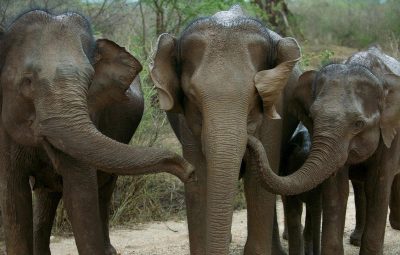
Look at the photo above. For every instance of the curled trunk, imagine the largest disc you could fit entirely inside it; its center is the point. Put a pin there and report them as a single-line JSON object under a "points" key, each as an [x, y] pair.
{"points": [[319, 166], [66, 124]]}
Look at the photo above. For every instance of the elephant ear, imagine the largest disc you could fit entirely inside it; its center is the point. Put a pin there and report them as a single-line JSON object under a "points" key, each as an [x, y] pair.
{"points": [[163, 70], [270, 83], [390, 119], [115, 70], [302, 98]]}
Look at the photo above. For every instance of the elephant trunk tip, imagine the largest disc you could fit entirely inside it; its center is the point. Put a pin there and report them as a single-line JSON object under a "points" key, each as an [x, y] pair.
{"points": [[188, 173]]}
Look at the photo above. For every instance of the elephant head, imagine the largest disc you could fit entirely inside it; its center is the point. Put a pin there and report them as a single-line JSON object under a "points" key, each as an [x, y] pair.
{"points": [[222, 74], [351, 107], [48, 64]]}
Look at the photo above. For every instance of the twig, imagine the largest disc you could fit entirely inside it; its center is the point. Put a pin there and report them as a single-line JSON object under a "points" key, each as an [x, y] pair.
{"points": [[173, 230]]}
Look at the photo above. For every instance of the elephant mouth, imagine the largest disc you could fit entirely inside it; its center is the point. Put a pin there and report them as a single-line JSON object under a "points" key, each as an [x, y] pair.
{"points": [[356, 157]]}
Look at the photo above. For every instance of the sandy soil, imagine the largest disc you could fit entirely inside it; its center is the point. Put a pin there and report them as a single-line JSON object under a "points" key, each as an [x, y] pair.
{"points": [[170, 238]]}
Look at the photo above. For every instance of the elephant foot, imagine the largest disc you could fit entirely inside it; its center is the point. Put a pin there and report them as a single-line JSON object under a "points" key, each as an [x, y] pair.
{"points": [[308, 249], [355, 237], [42, 252], [394, 223], [110, 250], [277, 250]]}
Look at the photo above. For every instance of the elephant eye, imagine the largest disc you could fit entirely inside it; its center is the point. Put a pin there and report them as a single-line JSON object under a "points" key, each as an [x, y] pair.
{"points": [[26, 88], [359, 124]]}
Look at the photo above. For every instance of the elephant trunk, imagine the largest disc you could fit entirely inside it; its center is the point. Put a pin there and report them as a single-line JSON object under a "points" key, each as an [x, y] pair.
{"points": [[324, 159], [63, 120], [224, 143]]}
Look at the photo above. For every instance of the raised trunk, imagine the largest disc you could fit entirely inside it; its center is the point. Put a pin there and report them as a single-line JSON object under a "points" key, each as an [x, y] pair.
{"points": [[320, 165], [65, 123], [224, 144]]}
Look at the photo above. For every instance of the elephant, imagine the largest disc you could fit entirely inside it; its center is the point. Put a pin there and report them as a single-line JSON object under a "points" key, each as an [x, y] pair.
{"points": [[49, 65], [221, 81], [293, 158], [352, 111], [118, 117]]}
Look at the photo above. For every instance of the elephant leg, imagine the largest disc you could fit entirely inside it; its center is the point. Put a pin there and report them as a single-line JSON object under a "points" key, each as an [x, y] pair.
{"points": [[394, 217], [307, 232], [195, 197], [105, 195], [360, 203], [294, 209], [377, 191], [16, 206], [260, 214], [313, 217], [16, 200], [195, 192], [335, 192], [45, 208], [285, 231], [80, 196], [277, 248]]}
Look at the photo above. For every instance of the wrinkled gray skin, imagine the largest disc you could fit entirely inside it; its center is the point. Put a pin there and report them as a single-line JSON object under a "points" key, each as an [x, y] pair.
{"points": [[53, 74], [118, 119], [292, 159], [219, 82], [358, 181], [353, 111]]}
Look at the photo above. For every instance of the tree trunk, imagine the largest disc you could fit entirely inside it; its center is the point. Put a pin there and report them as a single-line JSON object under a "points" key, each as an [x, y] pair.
{"points": [[277, 15]]}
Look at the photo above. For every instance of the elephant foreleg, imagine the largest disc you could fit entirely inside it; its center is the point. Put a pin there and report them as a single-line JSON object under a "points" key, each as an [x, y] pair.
{"points": [[105, 195], [45, 208], [335, 192], [293, 210], [285, 228], [195, 192], [312, 235], [80, 196], [360, 202], [195, 197], [16, 202], [394, 217], [260, 214], [277, 248], [307, 233], [377, 190]]}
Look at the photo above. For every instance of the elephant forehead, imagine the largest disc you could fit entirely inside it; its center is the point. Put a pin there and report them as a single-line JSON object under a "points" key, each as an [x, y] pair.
{"points": [[229, 50], [221, 25], [41, 30]]}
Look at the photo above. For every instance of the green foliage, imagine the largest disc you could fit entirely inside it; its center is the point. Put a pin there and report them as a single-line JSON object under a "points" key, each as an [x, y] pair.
{"points": [[355, 23], [326, 56]]}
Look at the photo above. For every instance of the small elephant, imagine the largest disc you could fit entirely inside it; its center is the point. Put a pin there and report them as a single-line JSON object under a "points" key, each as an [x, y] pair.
{"points": [[53, 76], [353, 112], [293, 158], [219, 83]]}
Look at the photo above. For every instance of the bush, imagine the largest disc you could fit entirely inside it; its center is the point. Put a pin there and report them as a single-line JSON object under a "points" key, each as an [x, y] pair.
{"points": [[354, 23]]}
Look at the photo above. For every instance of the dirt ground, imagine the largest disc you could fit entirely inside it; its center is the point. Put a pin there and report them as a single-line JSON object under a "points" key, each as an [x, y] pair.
{"points": [[170, 238]]}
